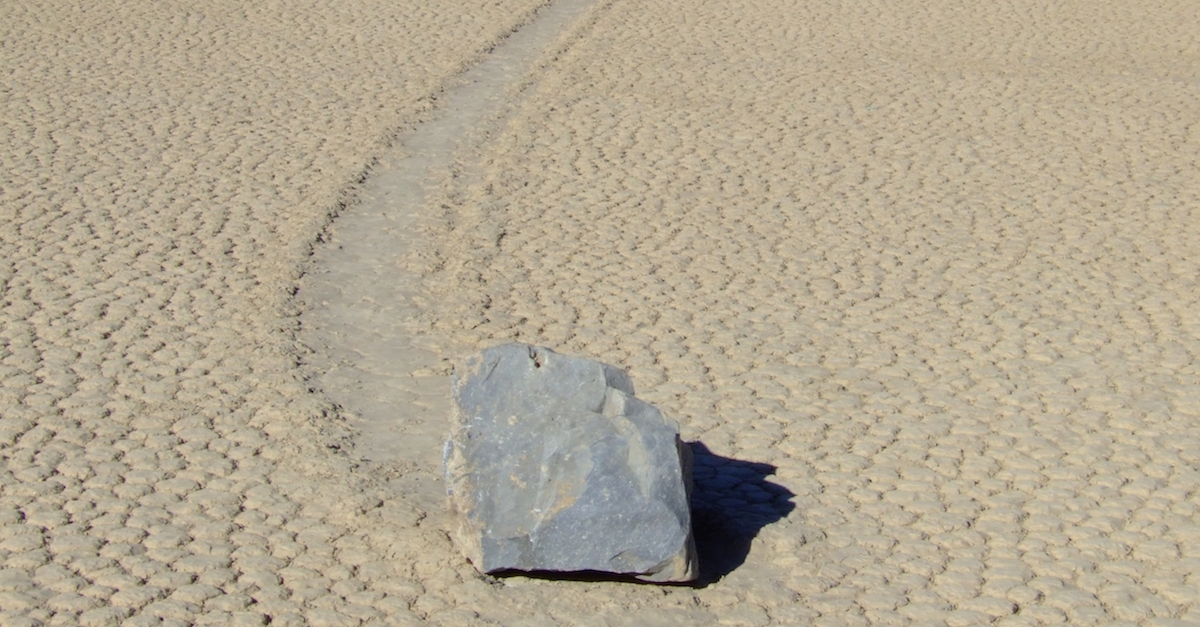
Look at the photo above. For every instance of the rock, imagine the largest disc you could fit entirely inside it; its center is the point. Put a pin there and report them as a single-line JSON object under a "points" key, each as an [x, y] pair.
{"points": [[553, 465]]}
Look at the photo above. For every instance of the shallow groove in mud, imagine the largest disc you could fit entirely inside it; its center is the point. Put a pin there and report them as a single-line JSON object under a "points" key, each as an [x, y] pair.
{"points": [[359, 297]]}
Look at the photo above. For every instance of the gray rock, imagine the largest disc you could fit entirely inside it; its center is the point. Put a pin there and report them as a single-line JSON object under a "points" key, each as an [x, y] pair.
{"points": [[553, 465]]}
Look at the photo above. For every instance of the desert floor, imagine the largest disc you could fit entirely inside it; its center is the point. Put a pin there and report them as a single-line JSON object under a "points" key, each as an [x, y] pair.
{"points": [[919, 279]]}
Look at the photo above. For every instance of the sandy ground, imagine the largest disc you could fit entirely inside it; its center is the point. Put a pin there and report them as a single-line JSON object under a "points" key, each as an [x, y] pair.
{"points": [[918, 278]]}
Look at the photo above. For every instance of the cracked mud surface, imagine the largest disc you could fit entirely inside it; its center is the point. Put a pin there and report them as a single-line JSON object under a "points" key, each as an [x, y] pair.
{"points": [[918, 279]]}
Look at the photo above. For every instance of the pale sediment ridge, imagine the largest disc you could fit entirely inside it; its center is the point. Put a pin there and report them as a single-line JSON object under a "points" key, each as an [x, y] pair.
{"points": [[362, 293], [930, 264]]}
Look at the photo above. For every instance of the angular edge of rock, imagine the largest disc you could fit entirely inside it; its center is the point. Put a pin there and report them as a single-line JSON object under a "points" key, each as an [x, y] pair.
{"points": [[553, 464]]}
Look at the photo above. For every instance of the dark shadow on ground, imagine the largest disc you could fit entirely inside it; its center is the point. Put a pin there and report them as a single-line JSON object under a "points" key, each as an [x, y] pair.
{"points": [[575, 575], [731, 502]]}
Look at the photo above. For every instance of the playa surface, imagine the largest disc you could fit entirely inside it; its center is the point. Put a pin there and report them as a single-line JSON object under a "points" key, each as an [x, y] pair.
{"points": [[918, 279]]}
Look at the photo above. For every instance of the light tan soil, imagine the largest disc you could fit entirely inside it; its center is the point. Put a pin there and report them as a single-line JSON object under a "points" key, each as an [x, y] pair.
{"points": [[934, 262]]}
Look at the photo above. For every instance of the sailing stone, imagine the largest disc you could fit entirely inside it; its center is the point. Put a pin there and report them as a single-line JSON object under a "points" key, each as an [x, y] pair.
{"points": [[553, 465]]}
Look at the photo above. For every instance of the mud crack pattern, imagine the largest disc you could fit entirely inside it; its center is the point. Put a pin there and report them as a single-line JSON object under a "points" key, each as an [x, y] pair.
{"points": [[164, 171], [934, 263], [918, 277]]}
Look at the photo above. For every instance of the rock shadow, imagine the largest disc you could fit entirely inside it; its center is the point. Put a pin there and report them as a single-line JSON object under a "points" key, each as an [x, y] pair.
{"points": [[731, 502]]}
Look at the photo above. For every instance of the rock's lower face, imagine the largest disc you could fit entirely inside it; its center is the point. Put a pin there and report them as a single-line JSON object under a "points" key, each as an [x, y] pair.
{"points": [[553, 465]]}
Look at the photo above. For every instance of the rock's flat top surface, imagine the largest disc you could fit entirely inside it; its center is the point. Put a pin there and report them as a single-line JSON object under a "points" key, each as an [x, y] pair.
{"points": [[553, 465]]}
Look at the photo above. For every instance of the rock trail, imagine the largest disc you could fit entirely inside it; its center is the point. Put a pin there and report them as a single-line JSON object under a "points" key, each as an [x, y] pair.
{"points": [[363, 291]]}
